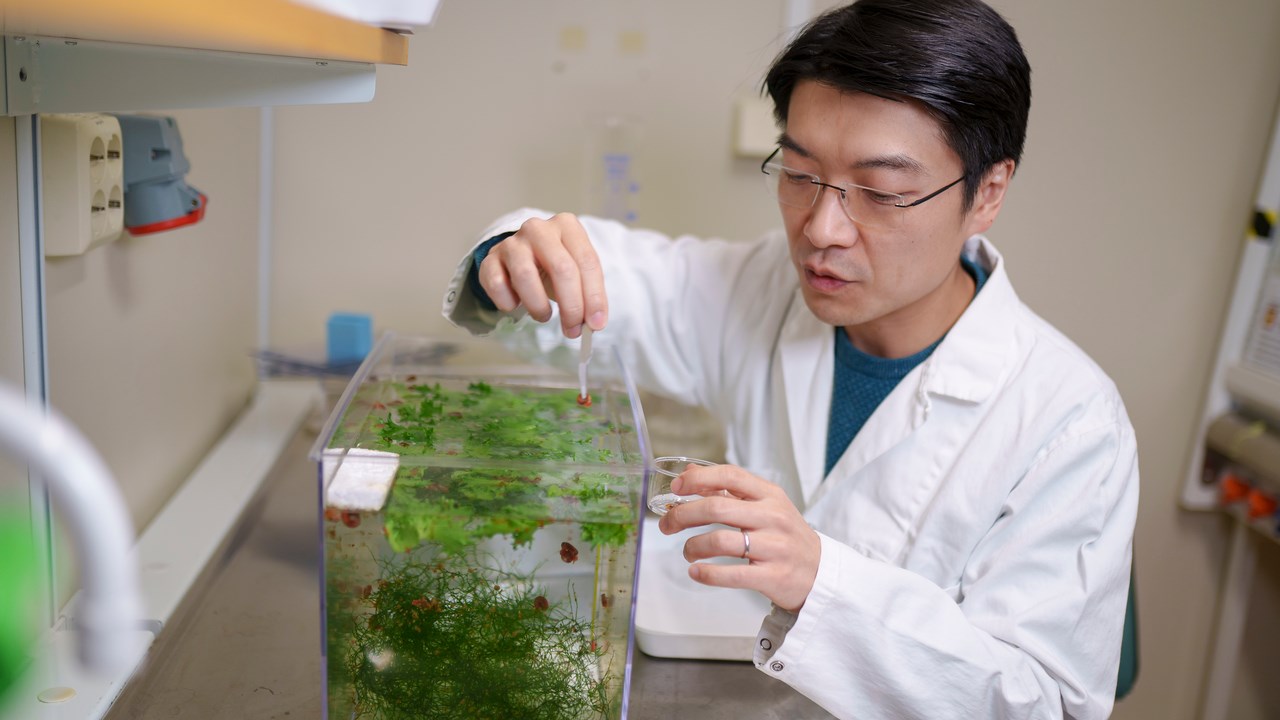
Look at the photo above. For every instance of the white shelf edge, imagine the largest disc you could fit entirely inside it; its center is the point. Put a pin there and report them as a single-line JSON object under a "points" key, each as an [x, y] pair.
{"points": [[59, 75]]}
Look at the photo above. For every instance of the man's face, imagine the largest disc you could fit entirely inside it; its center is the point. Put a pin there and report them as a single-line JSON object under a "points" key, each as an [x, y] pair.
{"points": [[878, 282]]}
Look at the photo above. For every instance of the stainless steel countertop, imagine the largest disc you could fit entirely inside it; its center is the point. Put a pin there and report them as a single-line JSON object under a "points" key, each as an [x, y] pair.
{"points": [[245, 643]]}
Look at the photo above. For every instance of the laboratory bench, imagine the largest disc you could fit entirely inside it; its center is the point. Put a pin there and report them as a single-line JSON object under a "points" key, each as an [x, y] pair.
{"points": [[245, 642]]}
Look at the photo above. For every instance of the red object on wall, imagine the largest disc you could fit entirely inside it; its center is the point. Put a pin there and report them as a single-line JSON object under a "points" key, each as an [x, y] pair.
{"points": [[1261, 505], [1231, 488], [190, 218]]}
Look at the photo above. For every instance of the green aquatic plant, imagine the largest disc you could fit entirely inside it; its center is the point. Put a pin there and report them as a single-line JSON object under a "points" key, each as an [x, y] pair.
{"points": [[600, 534], [609, 510], [340, 604], [488, 422], [455, 507], [445, 641]]}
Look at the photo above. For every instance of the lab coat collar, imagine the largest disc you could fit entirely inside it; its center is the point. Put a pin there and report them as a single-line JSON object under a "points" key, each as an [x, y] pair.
{"points": [[806, 353], [968, 366], [970, 362]]}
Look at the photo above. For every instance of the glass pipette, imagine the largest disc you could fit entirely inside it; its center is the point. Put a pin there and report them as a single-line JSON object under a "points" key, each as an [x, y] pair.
{"points": [[584, 356]]}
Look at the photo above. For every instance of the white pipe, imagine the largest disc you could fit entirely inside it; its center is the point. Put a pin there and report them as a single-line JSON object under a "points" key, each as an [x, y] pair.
{"points": [[86, 496], [796, 13]]}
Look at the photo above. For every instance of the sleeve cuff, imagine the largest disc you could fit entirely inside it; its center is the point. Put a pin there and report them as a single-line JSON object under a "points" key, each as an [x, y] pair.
{"points": [[473, 275], [773, 631], [801, 626], [462, 306]]}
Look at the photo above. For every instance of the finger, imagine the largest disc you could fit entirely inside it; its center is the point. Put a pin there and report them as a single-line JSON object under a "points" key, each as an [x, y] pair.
{"points": [[708, 480], [788, 594], [526, 280], [717, 543], [595, 303], [735, 575], [559, 271], [494, 280], [716, 510]]}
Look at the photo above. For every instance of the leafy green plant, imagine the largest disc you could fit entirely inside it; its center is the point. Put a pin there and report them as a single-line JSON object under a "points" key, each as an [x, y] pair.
{"points": [[486, 422], [455, 507], [445, 641]]}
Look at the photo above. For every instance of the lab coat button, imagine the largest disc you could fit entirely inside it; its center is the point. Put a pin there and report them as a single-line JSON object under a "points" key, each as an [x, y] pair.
{"points": [[452, 294], [776, 666], [766, 644]]}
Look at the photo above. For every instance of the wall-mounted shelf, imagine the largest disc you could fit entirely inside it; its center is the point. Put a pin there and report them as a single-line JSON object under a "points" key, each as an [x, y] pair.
{"points": [[85, 56], [258, 27]]}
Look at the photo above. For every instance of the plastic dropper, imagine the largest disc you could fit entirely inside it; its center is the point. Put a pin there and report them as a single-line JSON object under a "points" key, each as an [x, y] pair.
{"points": [[584, 356]]}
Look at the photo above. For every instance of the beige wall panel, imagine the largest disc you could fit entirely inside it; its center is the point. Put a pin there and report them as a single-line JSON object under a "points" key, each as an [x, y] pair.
{"points": [[149, 337], [1256, 693], [10, 278], [13, 475], [1150, 125], [500, 106]]}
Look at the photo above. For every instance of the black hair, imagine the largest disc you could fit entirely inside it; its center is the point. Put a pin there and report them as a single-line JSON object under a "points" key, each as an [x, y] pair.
{"points": [[959, 58]]}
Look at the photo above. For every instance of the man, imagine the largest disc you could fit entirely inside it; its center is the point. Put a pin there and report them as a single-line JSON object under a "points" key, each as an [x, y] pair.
{"points": [[935, 488]]}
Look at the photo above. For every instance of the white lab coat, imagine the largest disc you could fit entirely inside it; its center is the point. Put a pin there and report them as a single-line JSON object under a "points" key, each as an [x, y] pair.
{"points": [[976, 534]]}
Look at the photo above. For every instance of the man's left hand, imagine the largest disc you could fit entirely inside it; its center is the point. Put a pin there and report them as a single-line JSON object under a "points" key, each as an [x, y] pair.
{"points": [[784, 550]]}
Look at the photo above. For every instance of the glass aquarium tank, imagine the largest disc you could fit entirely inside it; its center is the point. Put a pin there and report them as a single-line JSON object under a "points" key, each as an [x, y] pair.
{"points": [[481, 532]]}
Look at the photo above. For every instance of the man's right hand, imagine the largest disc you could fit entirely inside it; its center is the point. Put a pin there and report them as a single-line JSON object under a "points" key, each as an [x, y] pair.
{"points": [[548, 260]]}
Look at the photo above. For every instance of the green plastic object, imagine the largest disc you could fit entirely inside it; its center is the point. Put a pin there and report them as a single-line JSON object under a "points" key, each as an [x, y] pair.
{"points": [[1129, 646], [17, 597]]}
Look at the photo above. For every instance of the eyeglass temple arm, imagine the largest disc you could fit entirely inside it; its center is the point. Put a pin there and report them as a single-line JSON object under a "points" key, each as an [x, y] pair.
{"points": [[933, 194], [766, 160]]}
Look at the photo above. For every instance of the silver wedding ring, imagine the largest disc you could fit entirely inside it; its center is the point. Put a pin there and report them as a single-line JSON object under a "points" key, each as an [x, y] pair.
{"points": [[746, 546]]}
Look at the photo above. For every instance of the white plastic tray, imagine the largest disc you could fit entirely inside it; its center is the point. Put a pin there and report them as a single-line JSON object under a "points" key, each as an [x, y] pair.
{"points": [[679, 618]]}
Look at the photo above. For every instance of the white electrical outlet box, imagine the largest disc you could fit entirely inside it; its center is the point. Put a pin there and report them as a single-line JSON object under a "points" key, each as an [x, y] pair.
{"points": [[82, 181]]}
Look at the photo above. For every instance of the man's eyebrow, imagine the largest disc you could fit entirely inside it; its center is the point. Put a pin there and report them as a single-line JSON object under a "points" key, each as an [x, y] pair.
{"points": [[891, 162], [896, 161], [786, 141]]}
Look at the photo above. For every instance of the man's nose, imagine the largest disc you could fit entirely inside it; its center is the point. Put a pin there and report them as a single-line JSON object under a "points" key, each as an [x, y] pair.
{"points": [[829, 225]]}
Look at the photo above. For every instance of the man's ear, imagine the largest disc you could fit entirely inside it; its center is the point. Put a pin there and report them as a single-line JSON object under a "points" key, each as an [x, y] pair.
{"points": [[990, 197]]}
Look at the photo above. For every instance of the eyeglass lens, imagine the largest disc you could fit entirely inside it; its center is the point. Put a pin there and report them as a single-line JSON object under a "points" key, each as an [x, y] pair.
{"points": [[863, 205]]}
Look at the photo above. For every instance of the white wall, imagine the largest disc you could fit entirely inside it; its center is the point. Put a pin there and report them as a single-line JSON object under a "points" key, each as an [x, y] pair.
{"points": [[149, 338], [1149, 124], [374, 203]]}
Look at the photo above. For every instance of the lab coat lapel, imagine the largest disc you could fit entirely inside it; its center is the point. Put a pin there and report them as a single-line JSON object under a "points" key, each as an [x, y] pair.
{"points": [[966, 366], [899, 415], [806, 353]]}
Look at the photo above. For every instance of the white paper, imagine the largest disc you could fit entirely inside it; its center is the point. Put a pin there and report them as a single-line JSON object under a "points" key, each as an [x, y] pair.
{"points": [[1263, 349], [362, 481]]}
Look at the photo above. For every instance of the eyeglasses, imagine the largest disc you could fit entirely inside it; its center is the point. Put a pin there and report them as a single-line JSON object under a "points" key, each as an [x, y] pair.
{"points": [[866, 206]]}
